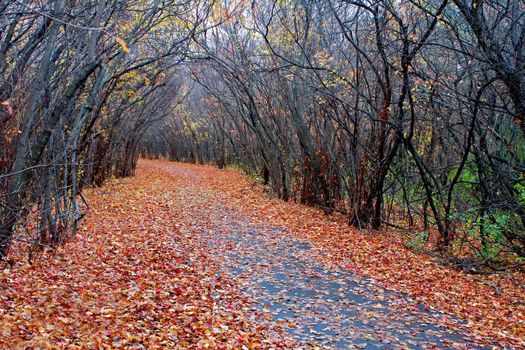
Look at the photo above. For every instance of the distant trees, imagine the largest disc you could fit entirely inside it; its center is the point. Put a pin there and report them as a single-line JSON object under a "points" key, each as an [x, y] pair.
{"points": [[80, 82], [400, 112]]}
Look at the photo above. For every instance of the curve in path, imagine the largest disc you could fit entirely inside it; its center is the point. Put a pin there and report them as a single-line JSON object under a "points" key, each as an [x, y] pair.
{"points": [[317, 305]]}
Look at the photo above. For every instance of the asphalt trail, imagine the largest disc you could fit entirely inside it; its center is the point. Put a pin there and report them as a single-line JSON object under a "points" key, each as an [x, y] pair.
{"points": [[319, 306]]}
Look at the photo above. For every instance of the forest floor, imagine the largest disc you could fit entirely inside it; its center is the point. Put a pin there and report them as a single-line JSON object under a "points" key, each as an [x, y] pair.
{"points": [[192, 257]]}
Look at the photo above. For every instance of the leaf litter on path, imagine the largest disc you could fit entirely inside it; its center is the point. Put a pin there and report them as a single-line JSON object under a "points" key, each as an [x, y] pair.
{"points": [[192, 257]]}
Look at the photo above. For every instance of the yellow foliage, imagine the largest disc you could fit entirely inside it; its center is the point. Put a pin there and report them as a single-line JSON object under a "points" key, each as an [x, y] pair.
{"points": [[122, 44]]}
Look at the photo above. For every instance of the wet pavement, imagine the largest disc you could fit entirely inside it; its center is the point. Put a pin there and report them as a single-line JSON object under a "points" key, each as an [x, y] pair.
{"points": [[319, 306]]}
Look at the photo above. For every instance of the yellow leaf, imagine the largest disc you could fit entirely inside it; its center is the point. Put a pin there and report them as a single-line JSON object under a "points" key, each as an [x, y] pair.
{"points": [[122, 44]]}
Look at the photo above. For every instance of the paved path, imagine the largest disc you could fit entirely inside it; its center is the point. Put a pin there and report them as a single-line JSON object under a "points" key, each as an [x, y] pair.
{"points": [[318, 306]]}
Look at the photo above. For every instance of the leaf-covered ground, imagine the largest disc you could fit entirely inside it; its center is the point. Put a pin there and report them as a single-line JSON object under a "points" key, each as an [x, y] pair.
{"points": [[129, 279], [184, 256]]}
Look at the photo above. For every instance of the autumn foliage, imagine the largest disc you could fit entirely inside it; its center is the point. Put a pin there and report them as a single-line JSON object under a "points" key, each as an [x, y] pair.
{"points": [[137, 275], [129, 279]]}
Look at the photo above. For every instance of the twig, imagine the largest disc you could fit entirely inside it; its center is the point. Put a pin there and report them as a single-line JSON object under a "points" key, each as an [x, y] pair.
{"points": [[83, 199], [496, 288], [396, 226], [506, 268], [330, 209]]}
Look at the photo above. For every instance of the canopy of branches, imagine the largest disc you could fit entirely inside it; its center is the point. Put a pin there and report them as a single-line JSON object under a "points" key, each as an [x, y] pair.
{"points": [[402, 113]]}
